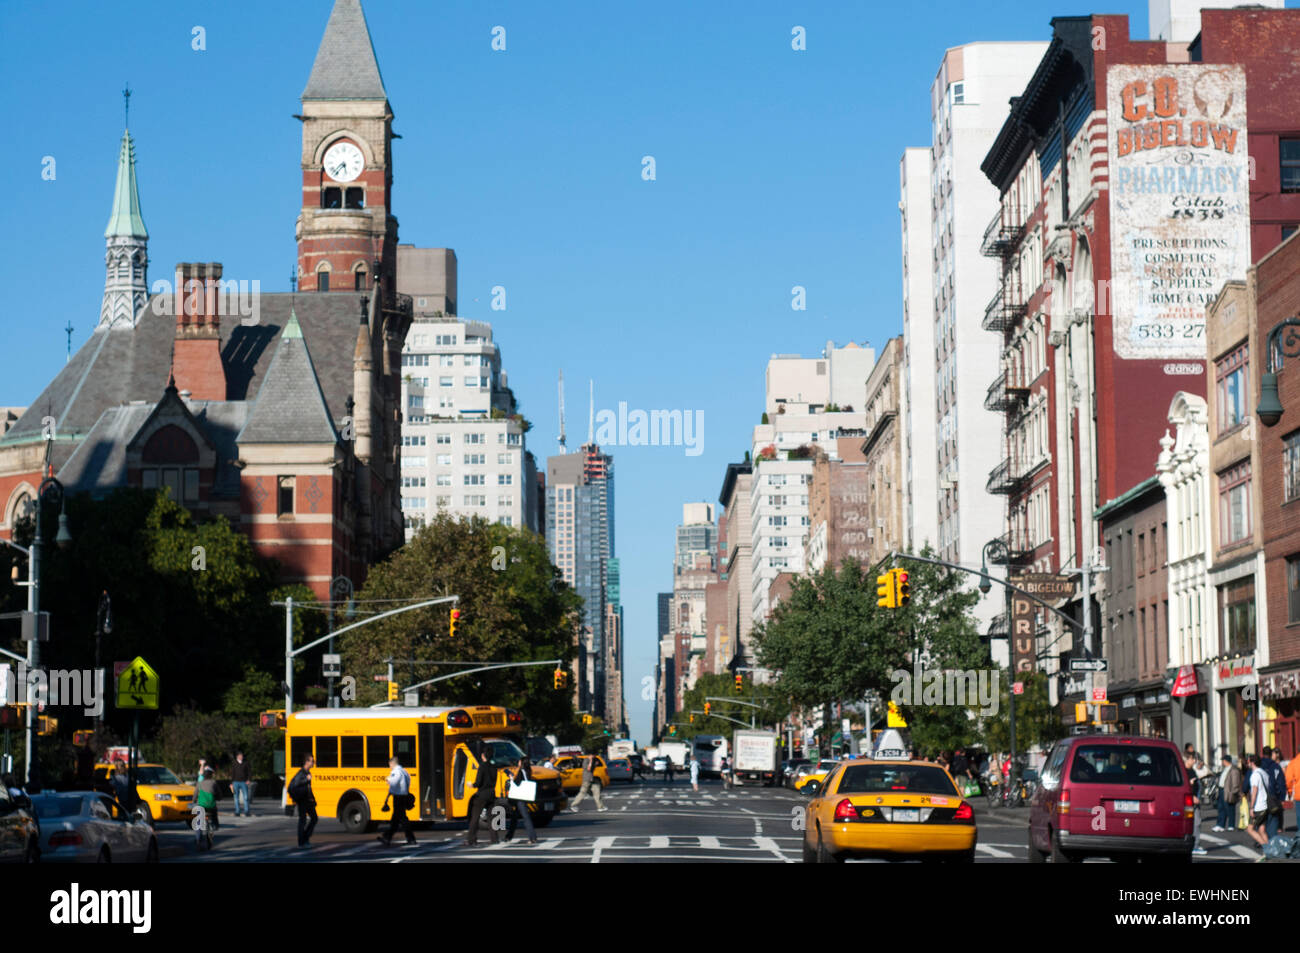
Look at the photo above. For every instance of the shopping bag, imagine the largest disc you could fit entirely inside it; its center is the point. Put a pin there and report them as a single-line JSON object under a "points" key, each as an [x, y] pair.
{"points": [[522, 791]]}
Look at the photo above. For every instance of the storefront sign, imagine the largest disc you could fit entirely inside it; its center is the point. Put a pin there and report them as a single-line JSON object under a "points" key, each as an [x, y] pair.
{"points": [[1128, 701], [1024, 645], [1233, 673], [1280, 684], [1185, 684], [1045, 585], [1179, 200]]}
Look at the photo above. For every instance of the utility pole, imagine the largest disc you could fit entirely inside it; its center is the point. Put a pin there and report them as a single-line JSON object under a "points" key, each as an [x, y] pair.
{"points": [[1086, 571]]}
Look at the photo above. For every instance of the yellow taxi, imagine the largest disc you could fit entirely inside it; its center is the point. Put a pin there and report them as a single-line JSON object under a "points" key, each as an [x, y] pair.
{"points": [[811, 781], [165, 796], [889, 805], [570, 768]]}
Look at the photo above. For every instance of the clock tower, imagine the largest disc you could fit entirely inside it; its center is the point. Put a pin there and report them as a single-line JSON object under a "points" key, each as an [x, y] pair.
{"points": [[346, 227]]}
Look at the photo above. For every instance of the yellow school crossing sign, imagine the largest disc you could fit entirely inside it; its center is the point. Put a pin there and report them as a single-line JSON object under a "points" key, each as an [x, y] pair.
{"points": [[137, 686]]}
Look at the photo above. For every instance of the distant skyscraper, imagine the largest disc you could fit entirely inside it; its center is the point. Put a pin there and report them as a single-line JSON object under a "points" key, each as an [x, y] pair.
{"points": [[580, 536]]}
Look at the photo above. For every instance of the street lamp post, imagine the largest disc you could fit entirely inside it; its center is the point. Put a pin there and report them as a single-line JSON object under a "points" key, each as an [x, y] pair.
{"points": [[1283, 341], [995, 550], [103, 627], [62, 539], [340, 586]]}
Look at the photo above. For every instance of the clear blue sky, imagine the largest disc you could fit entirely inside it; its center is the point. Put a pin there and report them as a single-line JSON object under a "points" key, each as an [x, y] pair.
{"points": [[775, 168]]}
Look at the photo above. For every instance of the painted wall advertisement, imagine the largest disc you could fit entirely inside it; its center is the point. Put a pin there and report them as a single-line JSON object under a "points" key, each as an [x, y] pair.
{"points": [[1180, 201]]}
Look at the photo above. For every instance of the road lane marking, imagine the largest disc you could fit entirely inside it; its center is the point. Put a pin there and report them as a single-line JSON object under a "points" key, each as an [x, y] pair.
{"points": [[769, 845], [602, 843], [709, 843], [993, 851], [658, 843]]}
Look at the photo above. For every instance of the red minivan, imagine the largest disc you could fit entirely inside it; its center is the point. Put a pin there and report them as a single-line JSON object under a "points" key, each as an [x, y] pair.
{"points": [[1115, 796]]}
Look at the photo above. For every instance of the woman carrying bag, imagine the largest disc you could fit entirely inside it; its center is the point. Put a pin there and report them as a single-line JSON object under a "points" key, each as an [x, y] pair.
{"points": [[521, 791]]}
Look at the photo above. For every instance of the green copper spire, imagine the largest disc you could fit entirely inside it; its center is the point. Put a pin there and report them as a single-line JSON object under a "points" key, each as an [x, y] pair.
{"points": [[293, 329], [126, 221]]}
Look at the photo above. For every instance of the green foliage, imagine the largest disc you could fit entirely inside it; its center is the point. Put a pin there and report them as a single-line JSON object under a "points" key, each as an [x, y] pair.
{"points": [[831, 642], [522, 610], [1038, 723], [256, 692], [188, 734], [764, 421]]}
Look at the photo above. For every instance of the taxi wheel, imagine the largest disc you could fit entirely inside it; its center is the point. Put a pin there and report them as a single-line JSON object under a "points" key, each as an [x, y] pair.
{"points": [[824, 856], [809, 855]]}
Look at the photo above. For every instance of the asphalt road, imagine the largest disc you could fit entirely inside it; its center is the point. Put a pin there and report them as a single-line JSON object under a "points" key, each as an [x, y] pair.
{"points": [[645, 822]]}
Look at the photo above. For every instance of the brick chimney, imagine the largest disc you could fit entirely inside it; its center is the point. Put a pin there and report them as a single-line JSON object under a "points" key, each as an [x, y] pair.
{"points": [[196, 354]]}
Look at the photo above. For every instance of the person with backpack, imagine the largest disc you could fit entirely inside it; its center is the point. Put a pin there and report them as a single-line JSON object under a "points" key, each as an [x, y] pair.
{"points": [[1259, 798], [300, 792], [1276, 792]]}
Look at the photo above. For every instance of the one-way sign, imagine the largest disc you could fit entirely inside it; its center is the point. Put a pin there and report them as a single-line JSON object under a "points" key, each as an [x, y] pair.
{"points": [[1089, 664]]}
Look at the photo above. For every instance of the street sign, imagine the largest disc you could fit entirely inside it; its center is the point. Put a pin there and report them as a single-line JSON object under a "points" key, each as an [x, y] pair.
{"points": [[1099, 694], [381, 678], [1018, 688], [333, 665], [1089, 665], [137, 686], [411, 699], [1045, 585]]}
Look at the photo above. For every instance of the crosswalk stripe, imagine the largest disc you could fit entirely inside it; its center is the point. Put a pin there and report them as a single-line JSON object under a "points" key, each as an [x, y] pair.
{"points": [[709, 843], [658, 843], [993, 851]]}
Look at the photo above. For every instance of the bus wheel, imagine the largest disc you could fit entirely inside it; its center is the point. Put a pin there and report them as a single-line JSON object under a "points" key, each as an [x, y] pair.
{"points": [[355, 815]]}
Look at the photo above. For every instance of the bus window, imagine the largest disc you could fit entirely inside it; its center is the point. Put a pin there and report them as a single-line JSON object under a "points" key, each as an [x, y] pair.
{"points": [[299, 750], [404, 750], [377, 751], [327, 752], [352, 751], [459, 765]]}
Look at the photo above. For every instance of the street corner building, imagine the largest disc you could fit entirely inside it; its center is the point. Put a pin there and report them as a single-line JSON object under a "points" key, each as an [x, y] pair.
{"points": [[278, 411]]}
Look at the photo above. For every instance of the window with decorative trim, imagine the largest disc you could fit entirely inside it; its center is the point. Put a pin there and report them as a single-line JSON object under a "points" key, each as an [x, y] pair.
{"points": [[1234, 504], [1230, 371]]}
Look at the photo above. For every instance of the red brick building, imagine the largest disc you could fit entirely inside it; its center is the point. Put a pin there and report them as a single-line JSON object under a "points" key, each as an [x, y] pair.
{"points": [[1107, 260], [1275, 285], [280, 412]]}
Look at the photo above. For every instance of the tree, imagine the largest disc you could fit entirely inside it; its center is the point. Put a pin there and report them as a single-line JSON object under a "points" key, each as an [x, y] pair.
{"points": [[514, 606], [830, 642], [1038, 722], [775, 706]]}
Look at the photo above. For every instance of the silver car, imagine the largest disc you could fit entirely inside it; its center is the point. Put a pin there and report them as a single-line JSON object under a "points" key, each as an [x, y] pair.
{"points": [[88, 827]]}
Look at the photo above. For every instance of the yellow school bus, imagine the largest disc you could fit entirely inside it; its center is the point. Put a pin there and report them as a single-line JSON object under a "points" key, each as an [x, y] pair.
{"points": [[351, 747]]}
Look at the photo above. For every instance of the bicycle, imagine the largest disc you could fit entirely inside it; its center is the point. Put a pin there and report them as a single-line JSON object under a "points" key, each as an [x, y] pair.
{"points": [[202, 825], [1210, 791]]}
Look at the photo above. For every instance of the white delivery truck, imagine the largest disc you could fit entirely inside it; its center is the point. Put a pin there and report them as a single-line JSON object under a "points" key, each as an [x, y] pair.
{"points": [[620, 748], [678, 752], [755, 757]]}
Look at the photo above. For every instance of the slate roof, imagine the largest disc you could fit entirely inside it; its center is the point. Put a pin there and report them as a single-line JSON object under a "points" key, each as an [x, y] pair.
{"points": [[345, 66], [289, 407], [122, 365]]}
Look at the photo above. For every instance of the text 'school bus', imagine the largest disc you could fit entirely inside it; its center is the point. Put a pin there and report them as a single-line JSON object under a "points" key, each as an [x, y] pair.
{"points": [[351, 747]]}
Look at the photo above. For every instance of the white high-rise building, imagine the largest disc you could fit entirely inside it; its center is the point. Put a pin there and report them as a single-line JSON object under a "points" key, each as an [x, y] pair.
{"points": [[798, 393], [464, 448], [951, 363]]}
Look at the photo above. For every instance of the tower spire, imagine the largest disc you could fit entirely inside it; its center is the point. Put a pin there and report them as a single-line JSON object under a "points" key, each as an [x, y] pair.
{"points": [[126, 106], [126, 238], [563, 445]]}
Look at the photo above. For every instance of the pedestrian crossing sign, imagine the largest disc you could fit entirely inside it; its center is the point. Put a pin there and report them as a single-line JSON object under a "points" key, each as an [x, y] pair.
{"points": [[137, 686]]}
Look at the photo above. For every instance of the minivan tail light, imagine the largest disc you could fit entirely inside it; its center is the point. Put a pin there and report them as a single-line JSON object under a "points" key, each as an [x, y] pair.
{"points": [[1063, 801], [1189, 805], [845, 811]]}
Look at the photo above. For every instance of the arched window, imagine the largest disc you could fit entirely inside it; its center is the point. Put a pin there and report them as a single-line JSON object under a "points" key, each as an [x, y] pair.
{"points": [[355, 197], [331, 197], [323, 278], [359, 277]]}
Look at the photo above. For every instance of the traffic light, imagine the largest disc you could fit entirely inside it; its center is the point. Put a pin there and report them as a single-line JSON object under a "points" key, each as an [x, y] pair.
{"points": [[559, 679], [272, 719], [11, 716], [81, 738], [392, 691], [902, 588], [692, 716], [1081, 713], [46, 725], [885, 596], [740, 683], [1107, 713], [455, 617], [706, 709], [672, 729]]}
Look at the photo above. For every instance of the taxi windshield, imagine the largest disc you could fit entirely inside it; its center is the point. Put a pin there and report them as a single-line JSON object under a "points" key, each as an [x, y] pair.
{"points": [[893, 778], [154, 774]]}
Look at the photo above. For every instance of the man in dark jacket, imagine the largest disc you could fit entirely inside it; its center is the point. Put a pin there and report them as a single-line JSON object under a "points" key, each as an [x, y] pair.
{"points": [[300, 791], [1229, 795], [485, 788], [1276, 787], [240, 775]]}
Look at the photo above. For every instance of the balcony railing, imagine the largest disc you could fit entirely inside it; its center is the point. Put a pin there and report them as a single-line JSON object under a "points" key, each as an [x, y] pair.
{"points": [[1006, 478], [1005, 395], [1003, 233], [1016, 553], [1006, 308]]}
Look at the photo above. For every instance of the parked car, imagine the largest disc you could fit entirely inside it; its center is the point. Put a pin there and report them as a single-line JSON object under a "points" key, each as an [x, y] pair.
{"points": [[788, 769], [89, 827], [620, 769], [20, 833], [1137, 787]]}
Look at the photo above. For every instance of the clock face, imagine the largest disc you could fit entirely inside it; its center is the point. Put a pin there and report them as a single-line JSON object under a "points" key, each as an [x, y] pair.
{"points": [[344, 162]]}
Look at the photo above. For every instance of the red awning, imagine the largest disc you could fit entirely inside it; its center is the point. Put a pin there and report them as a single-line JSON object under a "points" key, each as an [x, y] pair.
{"points": [[1186, 683]]}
